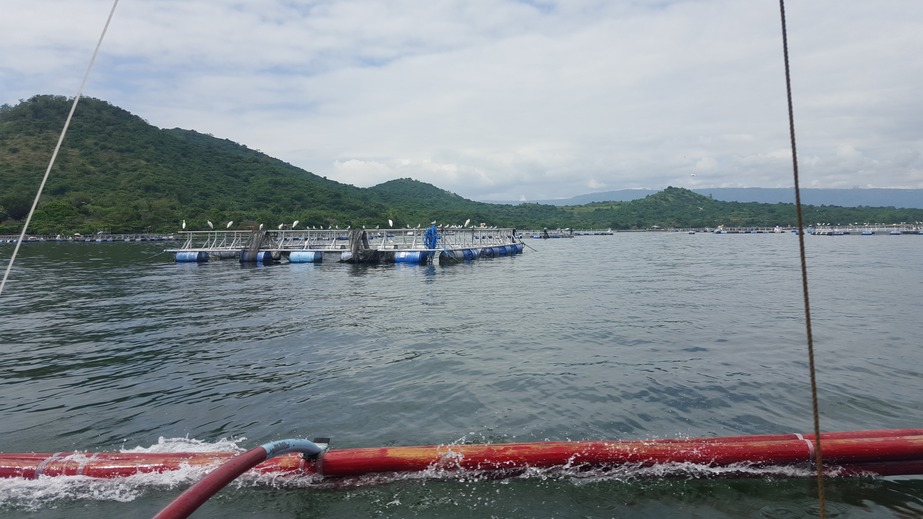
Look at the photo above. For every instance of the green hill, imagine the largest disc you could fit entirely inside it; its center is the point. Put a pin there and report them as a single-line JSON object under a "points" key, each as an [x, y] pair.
{"points": [[118, 173]]}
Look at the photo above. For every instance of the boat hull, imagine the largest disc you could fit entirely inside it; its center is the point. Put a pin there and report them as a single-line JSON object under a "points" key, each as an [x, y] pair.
{"points": [[880, 452]]}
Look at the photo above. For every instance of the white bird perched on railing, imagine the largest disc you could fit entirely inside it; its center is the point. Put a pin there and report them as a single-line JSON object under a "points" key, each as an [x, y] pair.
{"points": [[229, 224], [210, 224]]}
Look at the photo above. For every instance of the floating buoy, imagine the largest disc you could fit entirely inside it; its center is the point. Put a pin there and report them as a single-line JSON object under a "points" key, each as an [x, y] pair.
{"points": [[306, 256], [191, 257], [458, 255], [263, 256], [410, 256]]}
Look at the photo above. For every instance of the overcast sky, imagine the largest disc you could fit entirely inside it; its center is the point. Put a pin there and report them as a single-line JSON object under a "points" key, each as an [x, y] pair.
{"points": [[503, 99]]}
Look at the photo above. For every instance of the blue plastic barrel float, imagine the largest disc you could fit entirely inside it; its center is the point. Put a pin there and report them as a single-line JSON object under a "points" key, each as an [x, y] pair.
{"points": [[263, 256], [451, 256], [458, 255], [410, 256], [191, 256], [306, 256]]}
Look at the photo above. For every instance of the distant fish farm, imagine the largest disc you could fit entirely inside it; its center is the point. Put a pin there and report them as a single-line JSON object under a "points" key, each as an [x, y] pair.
{"points": [[443, 245]]}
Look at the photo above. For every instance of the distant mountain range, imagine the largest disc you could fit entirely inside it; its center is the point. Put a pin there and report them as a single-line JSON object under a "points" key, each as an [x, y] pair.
{"points": [[901, 198]]}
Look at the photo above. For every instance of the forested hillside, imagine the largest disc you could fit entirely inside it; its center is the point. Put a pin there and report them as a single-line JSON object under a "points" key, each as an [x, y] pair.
{"points": [[116, 172]]}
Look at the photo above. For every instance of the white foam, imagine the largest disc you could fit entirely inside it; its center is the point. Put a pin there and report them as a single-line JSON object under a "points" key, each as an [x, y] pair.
{"points": [[168, 445], [45, 492]]}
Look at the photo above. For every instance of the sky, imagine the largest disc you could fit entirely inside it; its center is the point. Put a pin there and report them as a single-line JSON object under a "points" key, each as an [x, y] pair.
{"points": [[505, 100]]}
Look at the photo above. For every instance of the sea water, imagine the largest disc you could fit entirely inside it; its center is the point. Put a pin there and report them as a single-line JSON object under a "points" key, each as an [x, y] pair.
{"points": [[113, 346]]}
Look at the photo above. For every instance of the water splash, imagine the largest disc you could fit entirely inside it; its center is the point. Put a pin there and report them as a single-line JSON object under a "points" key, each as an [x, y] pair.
{"points": [[46, 492], [169, 445]]}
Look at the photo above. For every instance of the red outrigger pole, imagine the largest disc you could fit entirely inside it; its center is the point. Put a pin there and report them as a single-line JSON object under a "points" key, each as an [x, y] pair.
{"points": [[877, 452]]}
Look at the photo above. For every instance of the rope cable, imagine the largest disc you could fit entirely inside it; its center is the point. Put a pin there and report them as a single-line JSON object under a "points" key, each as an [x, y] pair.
{"points": [[818, 458], [57, 148]]}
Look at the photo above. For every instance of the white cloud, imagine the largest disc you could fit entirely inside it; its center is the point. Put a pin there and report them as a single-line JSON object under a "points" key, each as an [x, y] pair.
{"points": [[364, 171], [505, 99], [847, 151], [706, 164]]}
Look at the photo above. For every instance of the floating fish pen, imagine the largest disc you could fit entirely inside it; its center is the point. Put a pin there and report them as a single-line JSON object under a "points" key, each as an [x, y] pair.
{"points": [[545, 233], [444, 245]]}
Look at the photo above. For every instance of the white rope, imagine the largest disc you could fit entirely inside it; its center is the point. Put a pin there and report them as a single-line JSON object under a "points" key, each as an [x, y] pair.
{"points": [[812, 455], [57, 148]]}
